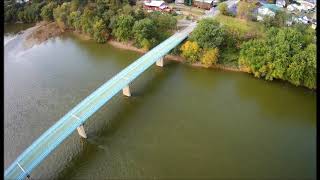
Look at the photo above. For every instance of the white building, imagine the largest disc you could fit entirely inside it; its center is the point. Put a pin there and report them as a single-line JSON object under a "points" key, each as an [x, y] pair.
{"points": [[281, 3], [263, 11], [155, 4], [179, 1]]}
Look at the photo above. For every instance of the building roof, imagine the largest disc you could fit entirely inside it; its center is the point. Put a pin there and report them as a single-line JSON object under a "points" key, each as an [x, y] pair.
{"points": [[205, 1], [265, 11], [160, 4], [272, 7]]}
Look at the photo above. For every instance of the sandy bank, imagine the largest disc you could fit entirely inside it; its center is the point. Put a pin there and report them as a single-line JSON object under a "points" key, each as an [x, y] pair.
{"points": [[42, 32]]}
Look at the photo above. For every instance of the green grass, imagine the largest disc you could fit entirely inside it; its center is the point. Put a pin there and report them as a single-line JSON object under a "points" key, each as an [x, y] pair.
{"points": [[243, 26]]}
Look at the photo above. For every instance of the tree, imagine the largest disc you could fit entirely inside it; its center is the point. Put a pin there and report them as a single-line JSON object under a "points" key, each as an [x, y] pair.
{"points": [[74, 5], [283, 54], [123, 27], [165, 23], [208, 34], [278, 20], [47, 11], [223, 8], [144, 31], [74, 20], [210, 57], [31, 12], [310, 73], [191, 50], [99, 31], [61, 13], [245, 9], [87, 18]]}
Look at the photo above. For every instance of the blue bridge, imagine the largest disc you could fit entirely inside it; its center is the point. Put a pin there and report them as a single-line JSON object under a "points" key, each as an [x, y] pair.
{"points": [[74, 119]]}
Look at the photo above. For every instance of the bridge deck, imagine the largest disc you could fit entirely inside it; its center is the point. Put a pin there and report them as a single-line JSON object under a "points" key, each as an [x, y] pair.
{"points": [[57, 133]]}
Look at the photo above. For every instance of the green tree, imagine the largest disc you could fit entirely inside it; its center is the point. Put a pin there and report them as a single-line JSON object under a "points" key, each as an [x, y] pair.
{"points": [[210, 57], [143, 31], [61, 13], [99, 31], [208, 34], [87, 19], [245, 9], [47, 11], [191, 51], [123, 27], [223, 8], [310, 73], [283, 54], [74, 20], [279, 20], [74, 5]]}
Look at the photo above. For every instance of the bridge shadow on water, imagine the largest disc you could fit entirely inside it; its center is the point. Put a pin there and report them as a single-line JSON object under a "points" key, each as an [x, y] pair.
{"points": [[142, 88]]}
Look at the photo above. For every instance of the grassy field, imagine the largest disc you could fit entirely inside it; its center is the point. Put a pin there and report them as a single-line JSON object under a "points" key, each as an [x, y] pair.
{"points": [[243, 26]]}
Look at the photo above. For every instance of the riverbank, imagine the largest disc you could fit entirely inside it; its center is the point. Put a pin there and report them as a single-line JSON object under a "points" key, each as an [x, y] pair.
{"points": [[170, 57], [43, 31]]}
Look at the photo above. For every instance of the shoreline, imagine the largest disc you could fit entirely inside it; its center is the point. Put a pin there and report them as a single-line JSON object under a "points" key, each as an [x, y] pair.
{"points": [[170, 57], [42, 31]]}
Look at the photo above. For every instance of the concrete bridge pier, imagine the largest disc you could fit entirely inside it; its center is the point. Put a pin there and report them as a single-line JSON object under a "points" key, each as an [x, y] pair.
{"points": [[160, 62], [81, 131], [126, 91]]}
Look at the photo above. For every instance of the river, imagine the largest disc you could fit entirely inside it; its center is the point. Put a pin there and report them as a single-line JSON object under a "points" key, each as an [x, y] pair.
{"points": [[181, 121]]}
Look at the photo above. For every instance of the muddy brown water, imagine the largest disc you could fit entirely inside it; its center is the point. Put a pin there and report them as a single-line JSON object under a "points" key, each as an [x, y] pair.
{"points": [[181, 122]]}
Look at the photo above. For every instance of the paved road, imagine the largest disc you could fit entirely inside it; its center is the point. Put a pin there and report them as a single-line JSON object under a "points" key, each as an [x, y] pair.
{"points": [[214, 10]]}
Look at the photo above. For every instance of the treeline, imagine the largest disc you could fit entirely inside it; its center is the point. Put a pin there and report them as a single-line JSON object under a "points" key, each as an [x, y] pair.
{"points": [[286, 53], [98, 18]]}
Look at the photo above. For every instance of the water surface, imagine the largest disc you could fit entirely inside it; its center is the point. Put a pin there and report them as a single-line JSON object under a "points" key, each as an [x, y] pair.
{"points": [[181, 122]]}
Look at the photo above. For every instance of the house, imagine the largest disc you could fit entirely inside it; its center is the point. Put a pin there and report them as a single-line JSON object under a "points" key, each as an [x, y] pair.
{"points": [[203, 4], [179, 1], [290, 8], [301, 6], [306, 5], [264, 11], [280, 3], [156, 6], [267, 10]]}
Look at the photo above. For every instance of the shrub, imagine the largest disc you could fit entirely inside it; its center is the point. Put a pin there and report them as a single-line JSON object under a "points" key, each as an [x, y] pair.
{"points": [[210, 57], [208, 34], [47, 11], [99, 31], [143, 31], [191, 50], [223, 8], [123, 27]]}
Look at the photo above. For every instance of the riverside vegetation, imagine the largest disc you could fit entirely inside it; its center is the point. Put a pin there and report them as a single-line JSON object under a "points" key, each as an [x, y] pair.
{"points": [[269, 50]]}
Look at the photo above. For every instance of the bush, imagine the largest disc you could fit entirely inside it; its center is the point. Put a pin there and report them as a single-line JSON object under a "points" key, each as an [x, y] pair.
{"points": [[99, 31], [208, 34], [283, 54], [210, 57], [143, 31], [279, 20], [223, 8], [245, 9], [61, 13], [191, 50], [47, 11], [123, 27]]}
